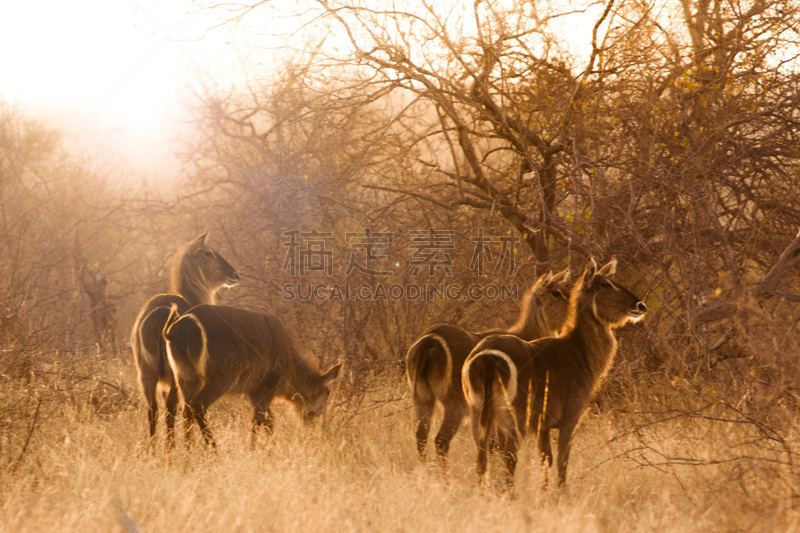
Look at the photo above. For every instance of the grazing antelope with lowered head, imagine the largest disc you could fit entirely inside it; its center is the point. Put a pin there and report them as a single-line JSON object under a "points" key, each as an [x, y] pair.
{"points": [[433, 363], [513, 387], [216, 350], [198, 273]]}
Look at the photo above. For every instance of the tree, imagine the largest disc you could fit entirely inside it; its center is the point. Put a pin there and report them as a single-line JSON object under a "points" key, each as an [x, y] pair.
{"points": [[667, 139]]}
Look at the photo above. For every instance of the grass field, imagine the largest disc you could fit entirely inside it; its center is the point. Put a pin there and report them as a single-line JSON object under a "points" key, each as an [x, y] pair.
{"points": [[82, 464]]}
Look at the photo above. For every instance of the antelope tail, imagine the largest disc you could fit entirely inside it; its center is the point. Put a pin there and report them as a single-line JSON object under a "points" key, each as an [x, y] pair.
{"points": [[428, 351], [487, 409], [171, 318], [495, 373], [157, 315], [177, 331]]}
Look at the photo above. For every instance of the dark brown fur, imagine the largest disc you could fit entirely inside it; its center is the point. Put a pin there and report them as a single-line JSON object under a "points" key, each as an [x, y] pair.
{"points": [[433, 363], [513, 386], [216, 350], [198, 273]]}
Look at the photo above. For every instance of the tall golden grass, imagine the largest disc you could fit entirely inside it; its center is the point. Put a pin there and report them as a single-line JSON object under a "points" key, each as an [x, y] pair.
{"points": [[87, 467]]}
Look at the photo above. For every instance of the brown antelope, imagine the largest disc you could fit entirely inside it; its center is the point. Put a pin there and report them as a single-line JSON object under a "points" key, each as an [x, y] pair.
{"points": [[216, 350], [198, 273], [513, 386], [433, 363]]}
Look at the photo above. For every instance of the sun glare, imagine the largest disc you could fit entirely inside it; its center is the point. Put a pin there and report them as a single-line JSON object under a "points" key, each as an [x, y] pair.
{"points": [[114, 75], [110, 72]]}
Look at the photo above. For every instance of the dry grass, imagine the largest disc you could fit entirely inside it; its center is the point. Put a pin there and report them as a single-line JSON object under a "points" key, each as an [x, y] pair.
{"points": [[88, 469]]}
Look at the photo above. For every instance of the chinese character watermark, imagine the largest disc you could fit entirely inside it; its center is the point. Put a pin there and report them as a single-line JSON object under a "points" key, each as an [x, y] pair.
{"points": [[374, 246], [482, 253], [430, 251], [307, 252]]}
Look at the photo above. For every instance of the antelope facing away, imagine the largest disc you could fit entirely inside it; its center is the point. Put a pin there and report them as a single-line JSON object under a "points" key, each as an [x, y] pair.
{"points": [[513, 386], [216, 350], [433, 363], [198, 273]]}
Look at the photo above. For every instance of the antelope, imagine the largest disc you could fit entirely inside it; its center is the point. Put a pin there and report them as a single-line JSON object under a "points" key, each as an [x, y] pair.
{"points": [[215, 350], [433, 363], [198, 273], [513, 386]]}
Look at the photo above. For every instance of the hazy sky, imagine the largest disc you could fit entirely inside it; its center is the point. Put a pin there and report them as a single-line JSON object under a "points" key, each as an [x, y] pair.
{"points": [[111, 74]]}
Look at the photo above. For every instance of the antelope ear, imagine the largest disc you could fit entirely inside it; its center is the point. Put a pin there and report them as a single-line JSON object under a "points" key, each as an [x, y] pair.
{"points": [[610, 268], [198, 242], [590, 272], [331, 374], [546, 278], [562, 277]]}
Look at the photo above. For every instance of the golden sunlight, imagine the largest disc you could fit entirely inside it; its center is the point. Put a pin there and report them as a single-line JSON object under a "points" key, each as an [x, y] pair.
{"points": [[113, 74], [117, 78]]}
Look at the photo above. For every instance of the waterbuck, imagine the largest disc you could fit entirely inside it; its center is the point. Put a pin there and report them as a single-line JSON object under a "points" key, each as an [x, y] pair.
{"points": [[198, 273], [216, 350], [513, 386], [433, 363]]}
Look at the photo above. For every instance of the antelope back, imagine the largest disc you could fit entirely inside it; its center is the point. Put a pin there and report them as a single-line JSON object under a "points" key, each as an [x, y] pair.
{"points": [[222, 349]]}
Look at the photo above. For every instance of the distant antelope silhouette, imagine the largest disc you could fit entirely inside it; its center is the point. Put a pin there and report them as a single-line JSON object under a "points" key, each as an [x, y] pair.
{"points": [[434, 361], [513, 386], [216, 350], [198, 273]]}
